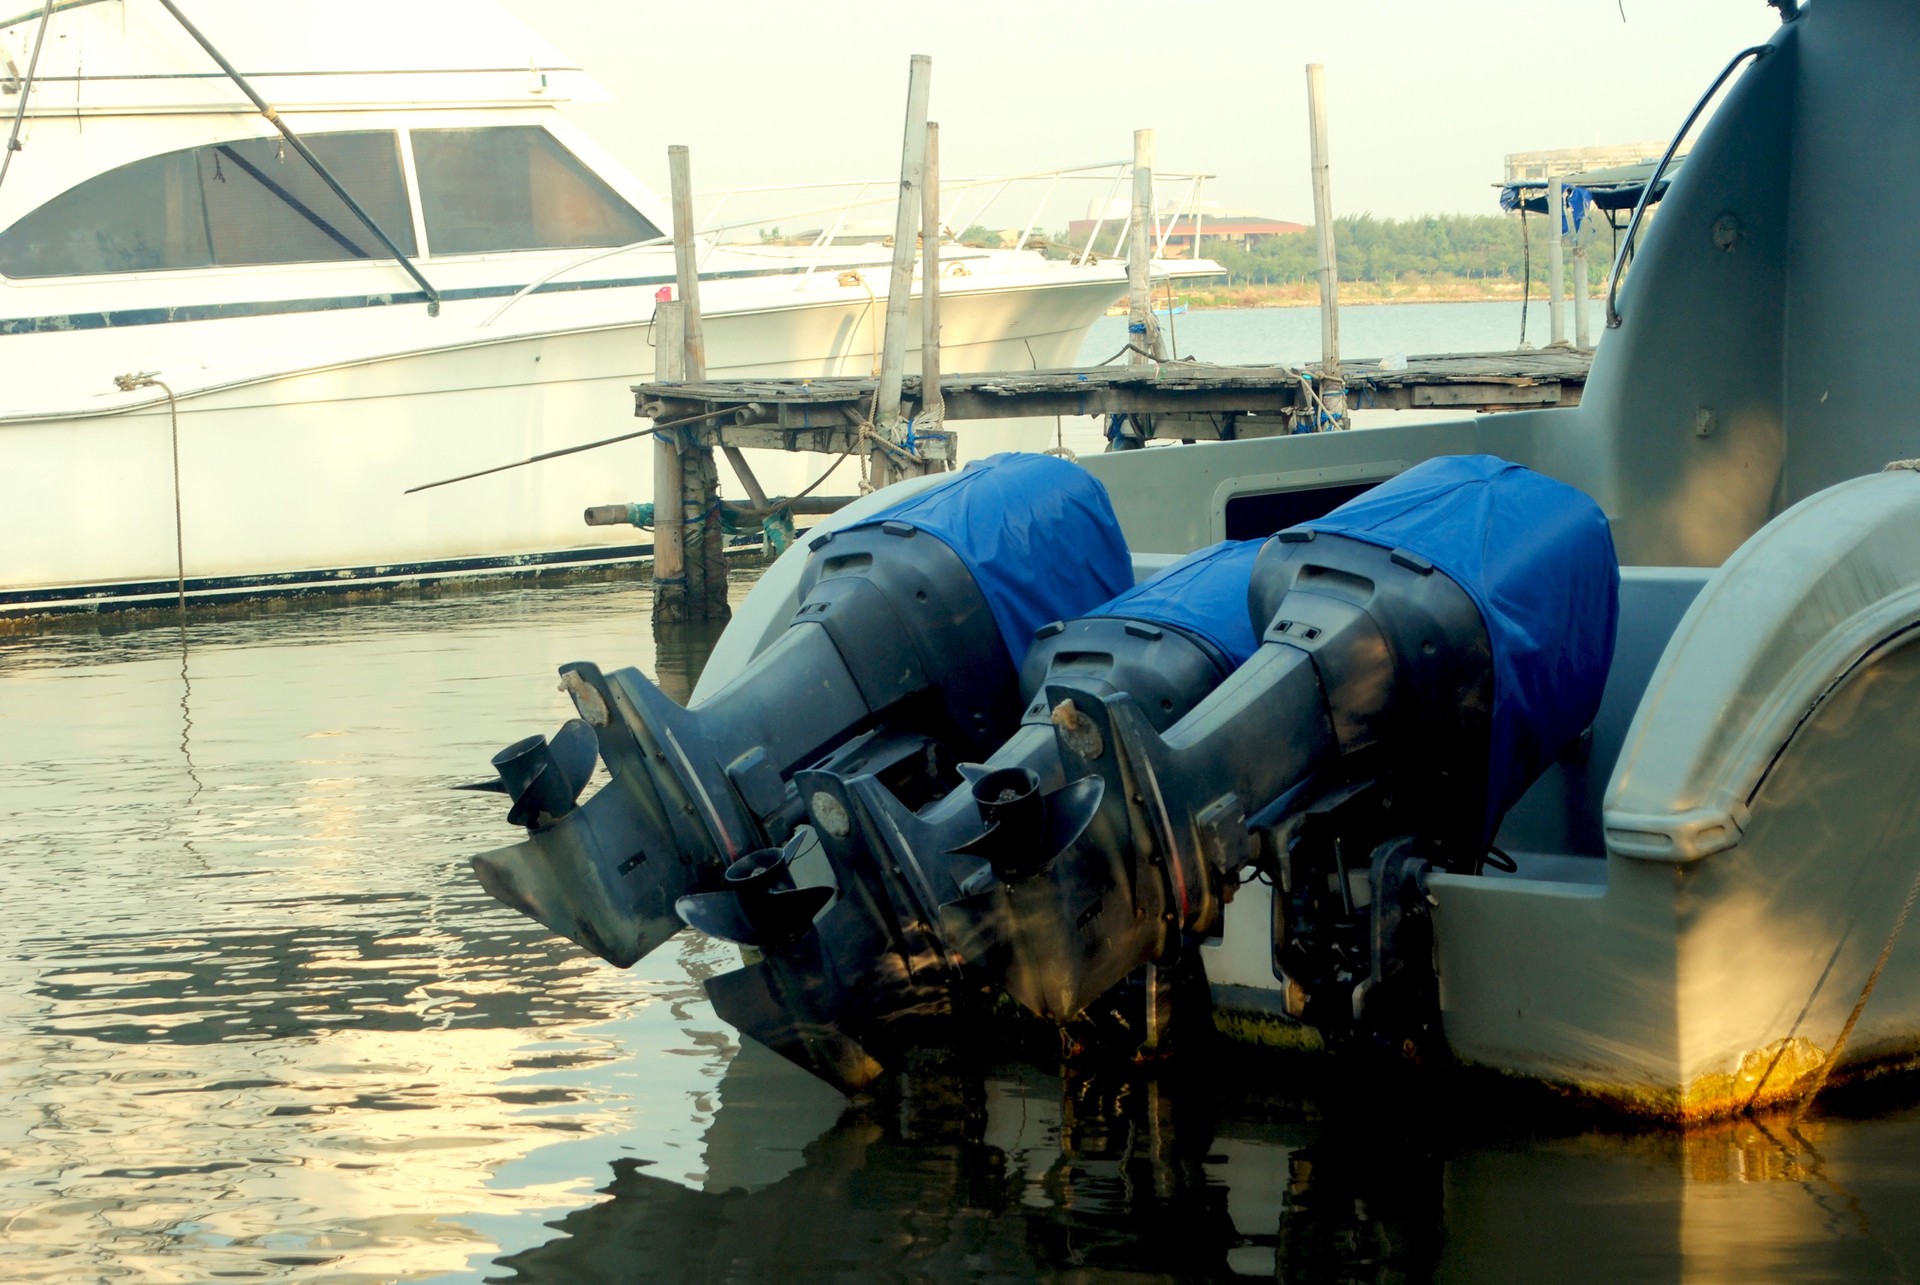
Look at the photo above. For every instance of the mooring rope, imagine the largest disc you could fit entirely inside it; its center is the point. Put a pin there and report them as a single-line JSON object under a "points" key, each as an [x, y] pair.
{"points": [[147, 379], [1819, 1080]]}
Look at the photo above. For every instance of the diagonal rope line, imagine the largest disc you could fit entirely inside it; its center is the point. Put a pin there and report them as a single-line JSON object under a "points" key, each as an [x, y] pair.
{"points": [[1873, 979]]}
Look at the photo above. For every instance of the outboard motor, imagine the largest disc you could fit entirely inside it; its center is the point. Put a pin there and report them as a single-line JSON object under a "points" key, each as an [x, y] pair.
{"points": [[885, 959], [915, 615], [1424, 651]]}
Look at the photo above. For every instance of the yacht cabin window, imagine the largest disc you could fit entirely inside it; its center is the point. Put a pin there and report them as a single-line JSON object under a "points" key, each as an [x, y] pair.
{"points": [[515, 187], [250, 201]]}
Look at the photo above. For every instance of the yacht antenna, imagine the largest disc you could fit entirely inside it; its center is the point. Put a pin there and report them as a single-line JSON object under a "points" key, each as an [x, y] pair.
{"points": [[399, 256]]}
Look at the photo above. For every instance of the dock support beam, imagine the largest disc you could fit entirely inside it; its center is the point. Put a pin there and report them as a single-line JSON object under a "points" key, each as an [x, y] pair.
{"points": [[686, 485], [1333, 387]]}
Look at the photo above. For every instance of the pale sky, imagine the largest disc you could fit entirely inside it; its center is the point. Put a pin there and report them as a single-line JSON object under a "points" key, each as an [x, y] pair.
{"points": [[1424, 98]]}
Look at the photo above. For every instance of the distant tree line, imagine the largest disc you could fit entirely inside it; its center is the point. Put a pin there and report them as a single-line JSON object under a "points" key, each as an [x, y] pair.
{"points": [[1451, 246]]}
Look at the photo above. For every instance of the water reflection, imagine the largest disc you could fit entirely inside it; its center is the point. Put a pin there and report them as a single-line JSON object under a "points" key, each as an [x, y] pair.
{"points": [[1013, 1174], [258, 1022]]}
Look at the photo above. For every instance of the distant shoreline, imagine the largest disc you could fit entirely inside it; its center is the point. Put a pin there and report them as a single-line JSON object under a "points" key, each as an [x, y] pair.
{"points": [[1352, 294]]}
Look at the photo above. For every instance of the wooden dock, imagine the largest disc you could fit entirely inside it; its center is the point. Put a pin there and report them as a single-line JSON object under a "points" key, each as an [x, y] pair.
{"points": [[1187, 401]]}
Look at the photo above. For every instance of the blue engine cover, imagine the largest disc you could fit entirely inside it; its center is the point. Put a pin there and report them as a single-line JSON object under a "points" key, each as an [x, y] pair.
{"points": [[1536, 556], [1204, 594], [1038, 534]]}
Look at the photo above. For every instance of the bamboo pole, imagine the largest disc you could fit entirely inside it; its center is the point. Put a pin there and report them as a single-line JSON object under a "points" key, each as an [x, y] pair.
{"points": [[1333, 391], [893, 350], [686, 265], [696, 498]]}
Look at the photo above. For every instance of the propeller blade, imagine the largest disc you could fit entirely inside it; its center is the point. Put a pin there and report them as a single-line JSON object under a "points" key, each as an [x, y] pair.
{"points": [[758, 904], [495, 786], [1026, 830], [778, 918], [576, 751]]}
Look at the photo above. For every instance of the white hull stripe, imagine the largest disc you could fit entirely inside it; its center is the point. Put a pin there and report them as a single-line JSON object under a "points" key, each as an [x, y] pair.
{"points": [[331, 303]]}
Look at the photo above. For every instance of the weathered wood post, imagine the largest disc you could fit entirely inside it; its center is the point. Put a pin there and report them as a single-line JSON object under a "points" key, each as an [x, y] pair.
{"points": [[704, 593], [1333, 387], [1143, 331], [933, 409], [1556, 263], [669, 530], [889, 423]]}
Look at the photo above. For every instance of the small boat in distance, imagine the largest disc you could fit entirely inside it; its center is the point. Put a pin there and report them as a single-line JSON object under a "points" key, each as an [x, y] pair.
{"points": [[219, 371]]}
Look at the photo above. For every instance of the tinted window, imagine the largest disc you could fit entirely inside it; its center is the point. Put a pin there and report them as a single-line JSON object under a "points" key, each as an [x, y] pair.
{"points": [[515, 187], [250, 201]]}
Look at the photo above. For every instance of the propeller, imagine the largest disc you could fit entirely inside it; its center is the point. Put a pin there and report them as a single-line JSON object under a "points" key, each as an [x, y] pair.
{"points": [[605, 872], [1045, 911], [793, 999], [842, 991], [543, 777], [759, 905], [1025, 829]]}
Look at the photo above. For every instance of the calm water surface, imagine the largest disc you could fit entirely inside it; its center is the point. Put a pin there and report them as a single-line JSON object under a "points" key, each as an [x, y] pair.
{"points": [[257, 1022]]}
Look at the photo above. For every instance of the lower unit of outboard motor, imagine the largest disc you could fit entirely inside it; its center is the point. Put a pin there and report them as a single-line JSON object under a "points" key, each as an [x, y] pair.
{"points": [[914, 615], [890, 961], [1423, 652]]}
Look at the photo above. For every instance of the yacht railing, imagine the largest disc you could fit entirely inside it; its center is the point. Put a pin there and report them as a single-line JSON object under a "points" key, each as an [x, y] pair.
{"points": [[969, 201], [1624, 255], [24, 88]]}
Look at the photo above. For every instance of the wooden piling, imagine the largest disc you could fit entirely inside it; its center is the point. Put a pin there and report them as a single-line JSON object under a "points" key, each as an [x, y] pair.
{"points": [[686, 263], [1143, 331], [695, 498], [888, 421], [669, 530], [1333, 393], [1556, 262]]}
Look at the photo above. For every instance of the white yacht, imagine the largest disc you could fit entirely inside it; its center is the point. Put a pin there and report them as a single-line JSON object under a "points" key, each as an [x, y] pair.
{"points": [[215, 373]]}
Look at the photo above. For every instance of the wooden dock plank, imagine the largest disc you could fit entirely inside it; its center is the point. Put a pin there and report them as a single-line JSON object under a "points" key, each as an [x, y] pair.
{"points": [[1171, 399]]}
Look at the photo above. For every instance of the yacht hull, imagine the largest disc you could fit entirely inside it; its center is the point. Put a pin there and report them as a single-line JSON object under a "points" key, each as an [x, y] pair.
{"points": [[296, 481]]}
